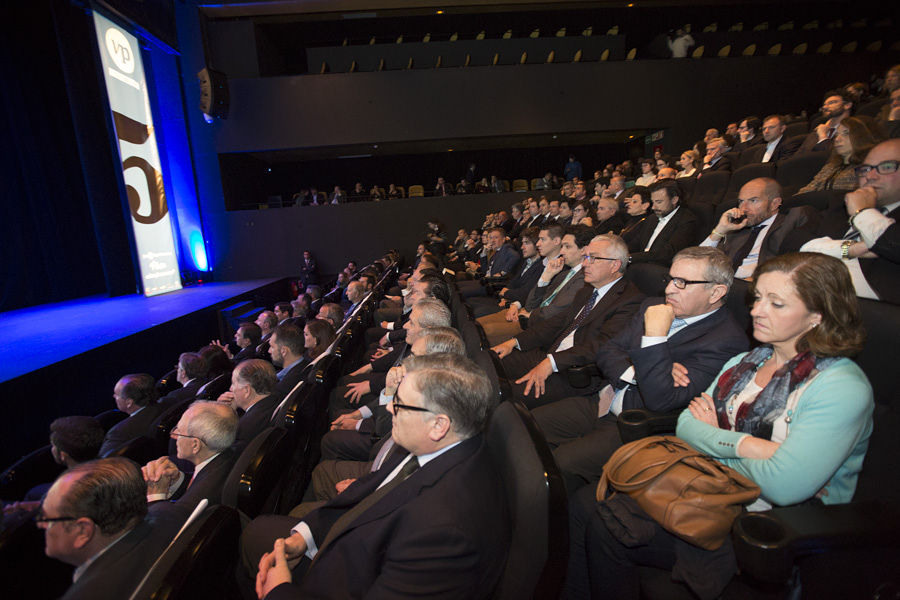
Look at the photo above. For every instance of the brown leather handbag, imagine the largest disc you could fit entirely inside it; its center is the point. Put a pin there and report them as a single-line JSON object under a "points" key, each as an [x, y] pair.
{"points": [[688, 493]]}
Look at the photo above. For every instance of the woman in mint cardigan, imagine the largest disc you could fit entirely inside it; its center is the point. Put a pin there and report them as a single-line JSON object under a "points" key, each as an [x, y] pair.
{"points": [[794, 414]]}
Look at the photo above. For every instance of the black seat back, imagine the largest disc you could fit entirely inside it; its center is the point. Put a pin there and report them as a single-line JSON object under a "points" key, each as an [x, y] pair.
{"points": [[141, 450], [254, 482], [745, 174], [711, 187], [799, 170], [536, 564], [109, 418], [32, 469], [211, 390], [649, 278], [200, 562]]}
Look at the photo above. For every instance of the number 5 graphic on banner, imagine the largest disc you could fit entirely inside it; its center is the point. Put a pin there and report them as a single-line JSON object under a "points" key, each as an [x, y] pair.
{"points": [[133, 132]]}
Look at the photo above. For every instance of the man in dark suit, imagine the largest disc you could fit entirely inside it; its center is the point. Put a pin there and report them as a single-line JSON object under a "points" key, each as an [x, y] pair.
{"points": [[95, 517], [537, 219], [560, 280], [870, 245], [671, 228], [135, 395], [777, 148], [203, 437], [267, 322], [539, 356], [436, 522], [667, 355], [498, 267], [247, 337], [252, 383], [518, 287], [748, 131], [608, 219], [753, 232], [837, 105], [191, 374], [715, 159], [288, 352]]}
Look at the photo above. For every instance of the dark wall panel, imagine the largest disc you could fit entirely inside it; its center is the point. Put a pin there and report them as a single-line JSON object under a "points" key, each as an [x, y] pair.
{"points": [[270, 243], [685, 96]]}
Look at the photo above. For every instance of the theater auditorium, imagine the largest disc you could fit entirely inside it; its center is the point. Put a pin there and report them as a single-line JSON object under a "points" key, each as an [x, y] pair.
{"points": [[403, 298]]}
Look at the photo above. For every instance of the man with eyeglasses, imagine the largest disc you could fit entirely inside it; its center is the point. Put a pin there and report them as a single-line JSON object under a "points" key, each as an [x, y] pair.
{"points": [[434, 523], [538, 357], [203, 437], [95, 517], [666, 356], [869, 240]]}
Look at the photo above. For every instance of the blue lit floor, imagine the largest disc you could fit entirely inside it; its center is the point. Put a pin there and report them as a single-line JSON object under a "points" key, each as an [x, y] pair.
{"points": [[38, 336]]}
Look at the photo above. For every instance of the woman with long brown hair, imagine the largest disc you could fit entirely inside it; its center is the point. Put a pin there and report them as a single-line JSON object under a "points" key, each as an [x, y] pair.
{"points": [[853, 139]]}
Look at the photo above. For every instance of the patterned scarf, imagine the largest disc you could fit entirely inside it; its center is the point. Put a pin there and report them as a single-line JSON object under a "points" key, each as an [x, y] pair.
{"points": [[758, 416]]}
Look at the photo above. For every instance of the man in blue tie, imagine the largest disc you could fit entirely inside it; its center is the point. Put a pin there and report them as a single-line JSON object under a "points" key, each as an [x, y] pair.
{"points": [[538, 357], [667, 355]]}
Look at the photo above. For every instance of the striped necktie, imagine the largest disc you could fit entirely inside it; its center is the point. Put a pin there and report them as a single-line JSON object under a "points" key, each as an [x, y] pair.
{"points": [[565, 280]]}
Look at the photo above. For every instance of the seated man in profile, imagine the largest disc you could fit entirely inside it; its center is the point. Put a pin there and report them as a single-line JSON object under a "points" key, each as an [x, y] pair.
{"points": [[665, 357], [135, 395], [538, 357], [203, 437], [433, 522], [73, 440], [252, 383], [95, 517]]}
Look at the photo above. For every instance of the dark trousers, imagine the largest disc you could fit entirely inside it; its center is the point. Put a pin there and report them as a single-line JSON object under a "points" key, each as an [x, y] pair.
{"points": [[556, 387], [599, 565], [581, 442]]}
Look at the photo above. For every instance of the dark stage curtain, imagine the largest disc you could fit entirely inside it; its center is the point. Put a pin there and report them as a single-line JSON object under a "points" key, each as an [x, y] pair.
{"points": [[54, 223]]}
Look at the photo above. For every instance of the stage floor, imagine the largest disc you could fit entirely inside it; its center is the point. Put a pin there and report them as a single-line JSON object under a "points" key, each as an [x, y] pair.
{"points": [[42, 335]]}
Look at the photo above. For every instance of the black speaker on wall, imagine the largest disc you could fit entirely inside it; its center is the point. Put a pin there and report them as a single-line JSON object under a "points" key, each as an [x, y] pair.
{"points": [[213, 93]]}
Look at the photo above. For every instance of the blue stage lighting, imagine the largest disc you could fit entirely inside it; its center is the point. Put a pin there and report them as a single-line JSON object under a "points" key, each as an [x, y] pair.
{"points": [[198, 251]]}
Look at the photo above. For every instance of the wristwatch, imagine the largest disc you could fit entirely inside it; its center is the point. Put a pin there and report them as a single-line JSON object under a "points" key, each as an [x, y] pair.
{"points": [[845, 249]]}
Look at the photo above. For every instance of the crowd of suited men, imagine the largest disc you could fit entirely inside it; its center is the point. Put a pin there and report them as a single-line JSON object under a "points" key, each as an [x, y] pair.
{"points": [[389, 510]]}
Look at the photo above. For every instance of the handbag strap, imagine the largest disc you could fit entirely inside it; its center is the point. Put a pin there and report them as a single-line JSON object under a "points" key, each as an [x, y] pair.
{"points": [[678, 451]]}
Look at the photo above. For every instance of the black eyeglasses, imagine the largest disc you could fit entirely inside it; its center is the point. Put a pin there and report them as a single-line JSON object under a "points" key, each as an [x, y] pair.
{"points": [[398, 405], [681, 282], [588, 259], [886, 167], [40, 518]]}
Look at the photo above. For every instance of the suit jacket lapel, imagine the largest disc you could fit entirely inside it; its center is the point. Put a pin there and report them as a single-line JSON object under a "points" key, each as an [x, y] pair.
{"points": [[608, 299], [399, 496]]}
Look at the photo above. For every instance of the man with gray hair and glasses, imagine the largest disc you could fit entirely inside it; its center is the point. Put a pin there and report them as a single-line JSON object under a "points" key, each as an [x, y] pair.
{"points": [[434, 521], [537, 358], [668, 354], [203, 437]]}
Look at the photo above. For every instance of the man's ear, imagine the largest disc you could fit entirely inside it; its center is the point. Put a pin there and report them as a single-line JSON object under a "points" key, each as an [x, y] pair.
{"points": [[86, 531], [440, 428]]}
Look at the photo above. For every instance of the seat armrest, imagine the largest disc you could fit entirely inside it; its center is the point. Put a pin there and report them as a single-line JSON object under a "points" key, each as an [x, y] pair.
{"points": [[637, 423], [767, 543], [580, 376]]}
